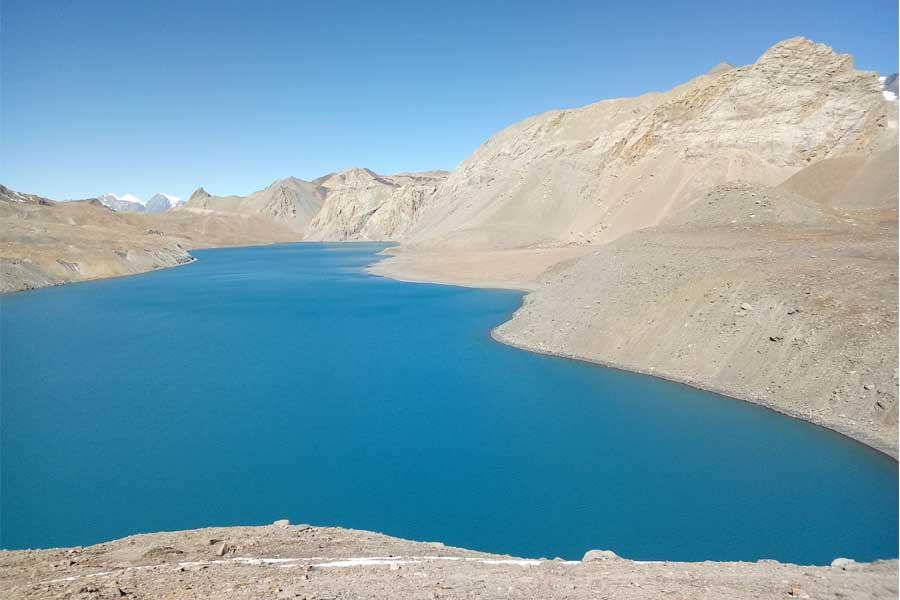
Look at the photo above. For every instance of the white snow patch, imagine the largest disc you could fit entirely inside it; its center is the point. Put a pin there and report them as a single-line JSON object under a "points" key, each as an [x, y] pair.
{"points": [[891, 96], [330, 563]]}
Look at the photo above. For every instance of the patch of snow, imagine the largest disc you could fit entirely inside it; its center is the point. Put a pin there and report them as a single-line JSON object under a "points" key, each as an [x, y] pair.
{"points": [[891, 96]]}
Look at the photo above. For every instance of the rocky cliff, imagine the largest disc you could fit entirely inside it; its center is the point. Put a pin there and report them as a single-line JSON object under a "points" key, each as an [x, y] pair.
{"points": [[362, 205]]}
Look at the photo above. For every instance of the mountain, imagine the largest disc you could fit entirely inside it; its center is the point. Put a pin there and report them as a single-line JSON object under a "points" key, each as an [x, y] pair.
{"points": [[590, 175], [43, 242], [290, 202], [354, 204], [160, 203], [362, 205], [122, 203]]}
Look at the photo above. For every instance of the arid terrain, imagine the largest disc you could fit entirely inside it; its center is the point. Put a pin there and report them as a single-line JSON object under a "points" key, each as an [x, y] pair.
{"points": [[737, 233], [283, 561]]}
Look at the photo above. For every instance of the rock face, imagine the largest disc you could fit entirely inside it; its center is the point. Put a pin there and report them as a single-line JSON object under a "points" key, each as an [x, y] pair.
{"points": [[356, 204], [593, 174], [362, 205]]}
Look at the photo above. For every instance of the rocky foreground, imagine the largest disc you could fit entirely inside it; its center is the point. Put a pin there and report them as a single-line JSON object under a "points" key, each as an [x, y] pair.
{"points": [[284, 561]]}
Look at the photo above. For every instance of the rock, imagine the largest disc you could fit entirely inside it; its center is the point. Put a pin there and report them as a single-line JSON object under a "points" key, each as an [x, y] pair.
{"points": [[793, 311], [796, 592], [847, 564], [775, 338], [223, 549], [599, 556], [868, 386], [282, 523], [745, 306]]}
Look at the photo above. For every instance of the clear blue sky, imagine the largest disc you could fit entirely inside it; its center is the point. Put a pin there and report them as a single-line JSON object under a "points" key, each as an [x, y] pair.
{"points": [[144, 96]]}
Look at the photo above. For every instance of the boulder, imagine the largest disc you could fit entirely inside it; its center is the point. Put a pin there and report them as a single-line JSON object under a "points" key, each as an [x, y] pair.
{"points": [[599, 556]]}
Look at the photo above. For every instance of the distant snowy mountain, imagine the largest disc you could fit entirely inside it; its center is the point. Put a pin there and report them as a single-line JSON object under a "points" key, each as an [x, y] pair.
{"points": [[122, 203], [161, 203], [889, 86]]}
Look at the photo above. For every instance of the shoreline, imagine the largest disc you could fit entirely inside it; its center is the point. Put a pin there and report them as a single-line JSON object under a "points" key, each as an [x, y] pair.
{"points": [[395, 272], [697, 384], [380, 268]]}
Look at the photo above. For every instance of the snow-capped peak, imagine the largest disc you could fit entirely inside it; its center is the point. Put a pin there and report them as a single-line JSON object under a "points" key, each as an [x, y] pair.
{"points": [[889, 87], [125, 202], [162, 202]]}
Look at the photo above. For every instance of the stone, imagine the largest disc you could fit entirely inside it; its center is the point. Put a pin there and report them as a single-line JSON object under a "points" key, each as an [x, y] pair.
{"points": [[599, 556], [282, 523], [868, 386], [745, 306], [223, 549], [846, 564]]}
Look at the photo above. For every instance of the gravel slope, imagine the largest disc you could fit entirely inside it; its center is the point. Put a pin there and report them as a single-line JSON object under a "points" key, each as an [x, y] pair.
{"points": [[281, 561]]}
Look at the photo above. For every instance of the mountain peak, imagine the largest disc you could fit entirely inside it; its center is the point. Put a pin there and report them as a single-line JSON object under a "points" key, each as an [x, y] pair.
{"points": [[198, 194], [805, 53], [162, 202]]}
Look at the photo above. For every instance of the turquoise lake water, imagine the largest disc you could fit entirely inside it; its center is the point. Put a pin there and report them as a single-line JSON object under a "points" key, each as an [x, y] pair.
{"points": [[283, 382]]}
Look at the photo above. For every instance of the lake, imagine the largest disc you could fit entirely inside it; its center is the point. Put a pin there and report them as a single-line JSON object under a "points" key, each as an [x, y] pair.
{"points": [[276, 382]]}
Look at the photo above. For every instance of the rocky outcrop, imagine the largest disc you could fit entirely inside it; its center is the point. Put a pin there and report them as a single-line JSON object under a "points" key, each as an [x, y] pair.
{"points": [[593, 174], [362, 205]]}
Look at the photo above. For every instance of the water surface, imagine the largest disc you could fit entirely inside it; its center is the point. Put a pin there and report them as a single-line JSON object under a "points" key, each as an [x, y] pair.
{"points": [[283, 382]]}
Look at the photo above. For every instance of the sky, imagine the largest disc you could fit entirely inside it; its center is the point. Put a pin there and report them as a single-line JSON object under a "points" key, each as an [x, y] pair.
{"points": [[138, 97]]}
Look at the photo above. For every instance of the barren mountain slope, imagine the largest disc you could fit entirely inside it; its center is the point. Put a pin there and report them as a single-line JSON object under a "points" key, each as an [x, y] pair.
{"points": [[760, 293], [362, 205], [290, 202], [593, 174], [43, 242], [282, 562]]}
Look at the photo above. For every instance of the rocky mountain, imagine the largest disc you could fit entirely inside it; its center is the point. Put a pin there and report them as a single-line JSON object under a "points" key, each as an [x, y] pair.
{"points": [[362, 205], [43, 242], [290, 202], [160, 203], [355, 204], [592, 174], [126, 203]]}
